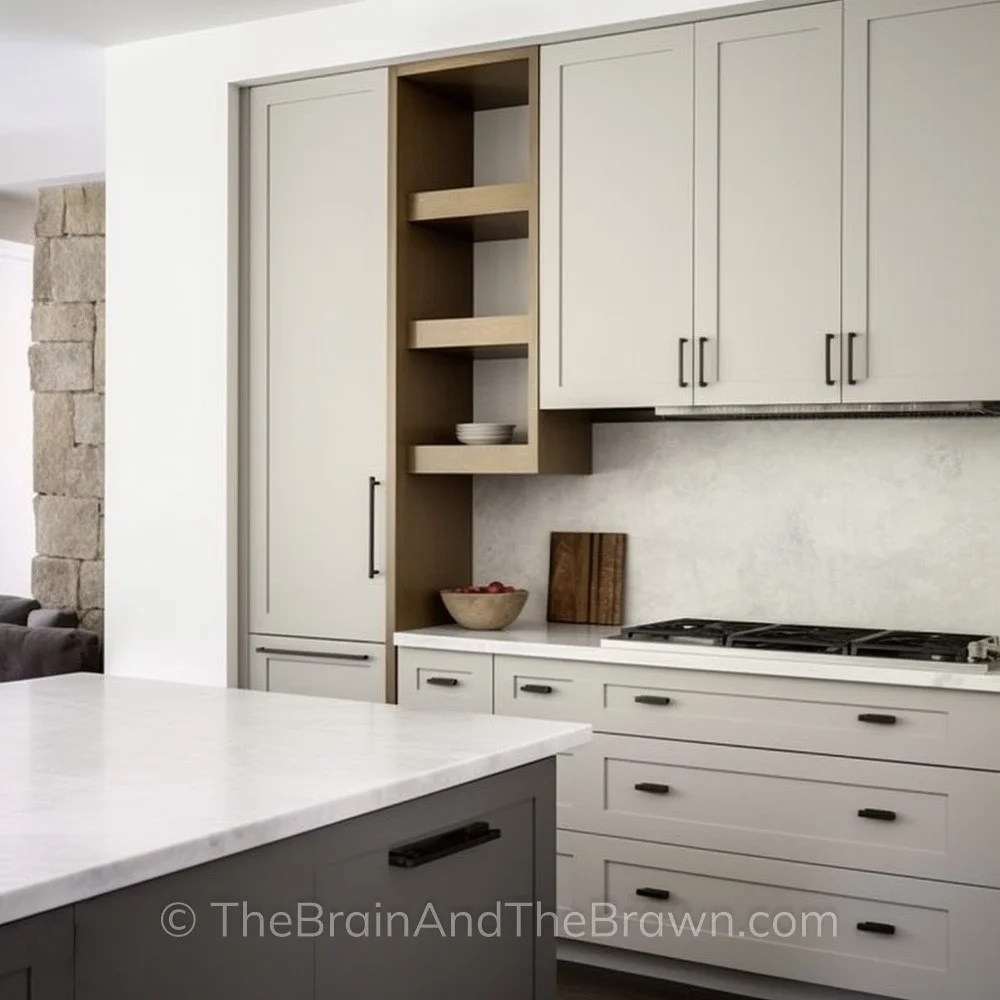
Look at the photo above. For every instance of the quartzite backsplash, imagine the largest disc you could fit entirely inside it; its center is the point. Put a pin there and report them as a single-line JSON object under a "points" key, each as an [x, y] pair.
{"points": [[887, 523]]}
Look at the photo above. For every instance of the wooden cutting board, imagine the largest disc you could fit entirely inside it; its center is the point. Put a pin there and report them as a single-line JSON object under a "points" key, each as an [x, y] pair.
{"points": [[586, 577]]}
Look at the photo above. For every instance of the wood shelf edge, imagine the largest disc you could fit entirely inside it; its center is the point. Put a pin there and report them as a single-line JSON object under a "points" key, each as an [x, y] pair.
{"points": [[470, 202], [476, 332]]}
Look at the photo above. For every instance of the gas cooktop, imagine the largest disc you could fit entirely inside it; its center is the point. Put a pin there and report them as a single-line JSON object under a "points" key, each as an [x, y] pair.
{"points": [[940, 647]]}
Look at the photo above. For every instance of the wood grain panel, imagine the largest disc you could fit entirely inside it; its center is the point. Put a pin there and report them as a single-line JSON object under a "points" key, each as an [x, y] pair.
{"points": [[586, 578]]}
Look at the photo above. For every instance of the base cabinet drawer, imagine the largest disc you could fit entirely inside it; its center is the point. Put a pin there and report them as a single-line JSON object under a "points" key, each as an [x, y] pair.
{"points": [[877, 934], [927, 822], [880, 722], [442, 680], [351, 670]]}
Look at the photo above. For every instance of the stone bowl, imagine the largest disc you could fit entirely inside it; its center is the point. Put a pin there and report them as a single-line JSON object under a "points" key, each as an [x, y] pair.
{"points": [[484, 612]]}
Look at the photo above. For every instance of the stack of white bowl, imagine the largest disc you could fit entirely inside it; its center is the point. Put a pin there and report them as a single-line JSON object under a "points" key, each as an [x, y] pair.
{"points": [[484, 433]]}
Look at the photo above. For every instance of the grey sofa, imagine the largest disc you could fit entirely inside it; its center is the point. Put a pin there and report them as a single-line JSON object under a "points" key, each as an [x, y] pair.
{"points": [[38, 642]]}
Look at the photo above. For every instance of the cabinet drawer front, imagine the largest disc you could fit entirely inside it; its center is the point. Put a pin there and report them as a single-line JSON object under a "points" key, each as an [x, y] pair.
{"points": [[918, 725], [873, 933], [351, 670], [904, 819], [541, 689], [436, 680]]}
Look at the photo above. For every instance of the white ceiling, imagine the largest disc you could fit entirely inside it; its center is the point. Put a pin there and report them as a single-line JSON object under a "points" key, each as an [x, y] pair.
{"points": [[111, 22]]}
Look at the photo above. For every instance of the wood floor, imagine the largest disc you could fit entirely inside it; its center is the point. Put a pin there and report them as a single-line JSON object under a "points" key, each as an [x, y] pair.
{"points": [[580, 982]]}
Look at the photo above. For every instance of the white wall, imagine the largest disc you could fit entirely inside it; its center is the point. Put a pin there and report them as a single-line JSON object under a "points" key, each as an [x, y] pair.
{"points": [[171, 442], [17, 219], [17, 532], [877, 523]]}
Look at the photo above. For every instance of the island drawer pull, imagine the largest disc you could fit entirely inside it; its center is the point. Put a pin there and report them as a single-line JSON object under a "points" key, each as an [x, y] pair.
{"points": [[538, 688], [873, 927], [648, 892], [886, 815], [652, 788], [444, 682], [877, 719], [312, 654], [651, 699], [422, 852]]}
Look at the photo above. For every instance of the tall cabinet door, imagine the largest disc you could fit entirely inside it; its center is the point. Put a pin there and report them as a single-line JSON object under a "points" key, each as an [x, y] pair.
{"points": [[616, 220], [317, 357], [768, 156], [922, 200]]}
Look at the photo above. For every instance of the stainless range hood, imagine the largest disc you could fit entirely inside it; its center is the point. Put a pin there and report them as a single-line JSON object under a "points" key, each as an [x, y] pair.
{"points": [[828, 411]]}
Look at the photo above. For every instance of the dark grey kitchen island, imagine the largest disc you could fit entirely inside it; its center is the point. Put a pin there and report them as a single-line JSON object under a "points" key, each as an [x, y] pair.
{"points": [[161, 840]]}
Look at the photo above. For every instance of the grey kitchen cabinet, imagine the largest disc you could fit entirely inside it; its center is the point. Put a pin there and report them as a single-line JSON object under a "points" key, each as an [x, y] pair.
{"points": [[36, 957], [316, 358], [425, 863], [922, 203]]}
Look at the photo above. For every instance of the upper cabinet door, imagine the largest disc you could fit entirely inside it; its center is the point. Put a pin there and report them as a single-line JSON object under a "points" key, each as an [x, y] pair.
{"points": [[922, 200], [318, 235], [617, 139], [768, 126]]}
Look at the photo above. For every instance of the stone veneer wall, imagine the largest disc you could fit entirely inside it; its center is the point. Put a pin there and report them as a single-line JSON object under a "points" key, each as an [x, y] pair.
{"points": [[67, 376]]}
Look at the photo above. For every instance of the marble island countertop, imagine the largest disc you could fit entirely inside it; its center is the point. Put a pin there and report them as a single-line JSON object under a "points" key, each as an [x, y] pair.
{"points": [[595, 644], [108, 782]]}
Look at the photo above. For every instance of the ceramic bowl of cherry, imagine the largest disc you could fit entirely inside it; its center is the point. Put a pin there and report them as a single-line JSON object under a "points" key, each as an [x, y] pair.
{"points": [[488, 608]]}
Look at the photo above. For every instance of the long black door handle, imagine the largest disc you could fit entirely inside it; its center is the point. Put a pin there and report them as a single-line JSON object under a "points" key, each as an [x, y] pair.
{"points": [[885, 815], [877, 719], [444, 682], [653, 788], [422, 852], [651, 699], [681, 353], [648, 892], [874, 927], [309, 654], [702, 341], [538, 688], [372, 484], [851, 338], [830, 338]]}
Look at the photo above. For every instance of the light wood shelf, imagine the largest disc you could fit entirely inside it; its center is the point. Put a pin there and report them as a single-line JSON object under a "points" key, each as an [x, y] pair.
{"points": [[473, 459], [486, 212], [480, 336]]}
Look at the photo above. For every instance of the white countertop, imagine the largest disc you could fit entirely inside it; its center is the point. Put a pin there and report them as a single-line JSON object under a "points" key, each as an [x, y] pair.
{"points": [[584, 643], [106, 782]]}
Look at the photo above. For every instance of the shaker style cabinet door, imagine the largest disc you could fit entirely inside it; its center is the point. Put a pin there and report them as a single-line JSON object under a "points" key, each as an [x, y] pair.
{"points": [[922, 200], [616, 220], [768, 120], [317, 357]]}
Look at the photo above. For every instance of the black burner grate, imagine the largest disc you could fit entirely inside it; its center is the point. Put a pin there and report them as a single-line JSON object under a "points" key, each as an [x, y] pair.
{"points": [[691, 631], [802, 638], [940, 646]]}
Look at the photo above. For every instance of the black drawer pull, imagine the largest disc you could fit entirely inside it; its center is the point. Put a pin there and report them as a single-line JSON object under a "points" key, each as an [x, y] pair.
{"points": [[538, 688], [649, 893], [651, 699], [873, 927], [652, 788], [312, 654], [876, 719], [886, 815], [421, 852], [443, 682]]}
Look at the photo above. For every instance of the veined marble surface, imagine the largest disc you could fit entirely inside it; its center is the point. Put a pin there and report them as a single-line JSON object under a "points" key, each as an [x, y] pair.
{"points": [[107, 782], [593, 644]]}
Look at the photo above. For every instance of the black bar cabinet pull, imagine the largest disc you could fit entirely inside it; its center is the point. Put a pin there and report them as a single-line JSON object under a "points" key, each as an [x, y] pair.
{"points": [[444, 682], [652, 788], [681, 351], [651, 699], [702, 341], [311, 654], [648, 892], [537, 688], [874, 927], [421, 852], [851, 338], [877, 719], [830, 338], [886, 815], [372, 484]]}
